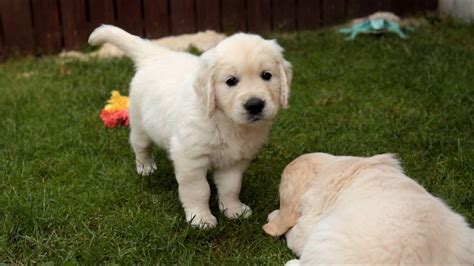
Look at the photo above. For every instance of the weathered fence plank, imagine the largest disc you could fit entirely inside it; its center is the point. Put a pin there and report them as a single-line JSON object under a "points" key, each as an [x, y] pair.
{"points": [[432, 5], [157, 18], [334, 11], [208, 15], [356, 8], [284, 15], [44, 26], [308, 14], [425, 5], [2, 44], [182, 16], [100, 12], [377, 5], [47, 28], [129, 16], [404, 7], [259, 15], [17, 26], [74, 25], [234, 17]]}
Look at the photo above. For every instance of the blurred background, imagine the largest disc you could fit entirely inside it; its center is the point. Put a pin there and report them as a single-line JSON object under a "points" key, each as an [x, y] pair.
{"points": [[49, 26]]}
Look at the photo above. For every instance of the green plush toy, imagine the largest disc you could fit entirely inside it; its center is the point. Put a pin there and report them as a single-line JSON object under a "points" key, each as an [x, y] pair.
{"points": [[375, 26]]}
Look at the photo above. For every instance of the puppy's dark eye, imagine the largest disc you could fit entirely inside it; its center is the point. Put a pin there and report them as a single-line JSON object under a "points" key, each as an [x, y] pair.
{"points": [[266, 75], [232, 81]]}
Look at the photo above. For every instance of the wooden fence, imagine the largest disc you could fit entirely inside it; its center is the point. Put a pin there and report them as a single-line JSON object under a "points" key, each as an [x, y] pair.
{"points": [[47, 26]]}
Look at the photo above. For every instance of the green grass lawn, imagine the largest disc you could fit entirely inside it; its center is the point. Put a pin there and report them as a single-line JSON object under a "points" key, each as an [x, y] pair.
{"points": [[69, 191]]}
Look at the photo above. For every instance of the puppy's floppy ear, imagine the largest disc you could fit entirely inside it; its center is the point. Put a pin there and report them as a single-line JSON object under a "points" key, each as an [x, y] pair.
{"points": [[286, 74], [204, 83]]}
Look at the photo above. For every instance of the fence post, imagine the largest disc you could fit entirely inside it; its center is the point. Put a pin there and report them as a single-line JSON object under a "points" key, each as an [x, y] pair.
{"points": [[47, 29], [308, 14], [157, 18], [208, 15], [234, 15], [183, 18], [259, 15], [284, 15], [17, 26]]}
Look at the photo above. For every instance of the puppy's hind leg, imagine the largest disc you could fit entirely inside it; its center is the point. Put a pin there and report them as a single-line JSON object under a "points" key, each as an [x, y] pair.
{"points": [[141, 145], [297, 236]]}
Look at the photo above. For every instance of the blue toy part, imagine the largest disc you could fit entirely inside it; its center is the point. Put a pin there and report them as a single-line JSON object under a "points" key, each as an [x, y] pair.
{"points": [[376, 24], [373, 26]]}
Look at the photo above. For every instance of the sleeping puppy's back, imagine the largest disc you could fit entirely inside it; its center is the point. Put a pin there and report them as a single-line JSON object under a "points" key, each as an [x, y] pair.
{"points": [[381, 216]]}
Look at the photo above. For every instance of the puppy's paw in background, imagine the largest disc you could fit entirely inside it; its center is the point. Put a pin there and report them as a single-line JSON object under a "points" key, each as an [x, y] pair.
{"points": [[201, 221], [145, 169], [270, 229], [293, 263], [273, 215], [234, 211]]}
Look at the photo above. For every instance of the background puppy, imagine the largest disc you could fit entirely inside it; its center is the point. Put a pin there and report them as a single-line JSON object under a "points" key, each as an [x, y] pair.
{"points": [[213, 111], [366, 211]]}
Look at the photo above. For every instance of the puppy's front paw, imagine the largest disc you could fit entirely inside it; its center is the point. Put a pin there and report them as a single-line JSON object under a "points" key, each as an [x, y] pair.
{"points": [[270, 229], [293, 263], [146, 169], [206, 221], [236, 211], [273, 215]]}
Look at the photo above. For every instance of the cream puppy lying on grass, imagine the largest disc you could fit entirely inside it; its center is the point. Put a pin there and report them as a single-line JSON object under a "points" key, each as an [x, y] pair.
{"points": [[210, 112], [352, 210]]}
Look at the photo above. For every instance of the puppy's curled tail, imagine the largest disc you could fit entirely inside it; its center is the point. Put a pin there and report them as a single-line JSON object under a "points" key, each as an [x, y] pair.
{"points": [[133, 46]]}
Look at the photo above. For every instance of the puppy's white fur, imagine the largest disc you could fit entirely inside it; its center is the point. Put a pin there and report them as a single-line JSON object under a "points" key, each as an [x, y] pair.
{"points": [[367, 211], [182, 103]]}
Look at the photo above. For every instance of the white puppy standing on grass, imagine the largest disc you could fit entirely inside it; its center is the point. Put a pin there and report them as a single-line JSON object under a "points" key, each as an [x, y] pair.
{"points": [[210, 112]]}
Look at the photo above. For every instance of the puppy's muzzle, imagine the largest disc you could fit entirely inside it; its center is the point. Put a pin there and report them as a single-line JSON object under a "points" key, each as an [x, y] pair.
{"points": [[254, 106]]}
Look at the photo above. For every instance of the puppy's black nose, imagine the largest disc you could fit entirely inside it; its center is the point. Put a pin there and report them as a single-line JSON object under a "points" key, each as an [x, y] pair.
{"points": [[254, 106]]}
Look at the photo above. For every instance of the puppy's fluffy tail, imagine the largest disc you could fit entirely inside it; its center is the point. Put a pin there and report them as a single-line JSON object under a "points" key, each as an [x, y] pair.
{"points": [[133, 46]]}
